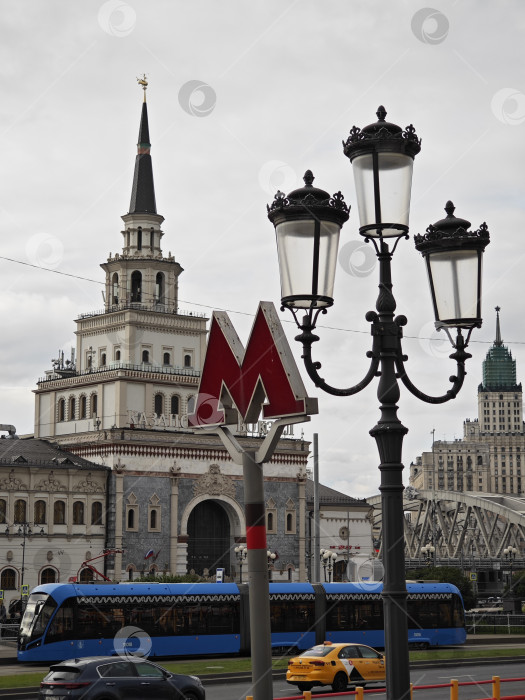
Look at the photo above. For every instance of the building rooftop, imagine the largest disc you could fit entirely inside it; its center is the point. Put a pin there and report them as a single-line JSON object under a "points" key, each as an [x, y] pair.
{"points": [[40, 453], [331, 496]]}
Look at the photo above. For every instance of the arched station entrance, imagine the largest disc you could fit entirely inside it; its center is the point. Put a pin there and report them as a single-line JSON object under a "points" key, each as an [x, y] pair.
{"points": [[209, 538]]}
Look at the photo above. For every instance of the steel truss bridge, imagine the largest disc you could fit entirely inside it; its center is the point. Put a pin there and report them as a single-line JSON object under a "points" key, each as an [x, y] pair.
{"points": [[468, 530]]}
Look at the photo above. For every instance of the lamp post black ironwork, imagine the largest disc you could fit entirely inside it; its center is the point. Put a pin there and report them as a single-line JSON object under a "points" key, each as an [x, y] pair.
{"points": [[328, 562], [510, 556], [241, 552], [25, 531], [428, 552], [272, 556], [307, 224]]}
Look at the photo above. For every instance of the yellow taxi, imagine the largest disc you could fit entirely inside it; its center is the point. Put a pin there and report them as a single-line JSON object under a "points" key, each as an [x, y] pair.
{"points": [[336, 665]]}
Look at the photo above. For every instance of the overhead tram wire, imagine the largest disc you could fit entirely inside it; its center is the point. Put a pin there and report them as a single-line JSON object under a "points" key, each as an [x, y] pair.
{"points": [[240, 313]]}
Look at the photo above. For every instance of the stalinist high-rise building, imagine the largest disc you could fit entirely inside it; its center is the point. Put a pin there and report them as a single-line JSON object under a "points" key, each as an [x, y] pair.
{"points": [[122, 401], [488, 457]]}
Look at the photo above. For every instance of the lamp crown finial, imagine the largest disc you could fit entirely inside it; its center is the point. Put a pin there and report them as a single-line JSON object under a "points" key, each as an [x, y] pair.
{"points": [[450, 208], [381, 113], [308, 178]]}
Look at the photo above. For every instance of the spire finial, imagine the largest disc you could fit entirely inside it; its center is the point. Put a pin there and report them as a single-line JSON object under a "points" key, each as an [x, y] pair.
{"points": [[498, 340], [144, 82]]}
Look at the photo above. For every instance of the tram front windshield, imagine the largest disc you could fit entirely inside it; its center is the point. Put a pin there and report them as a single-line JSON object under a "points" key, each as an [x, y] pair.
{"points": [[38, 612]]}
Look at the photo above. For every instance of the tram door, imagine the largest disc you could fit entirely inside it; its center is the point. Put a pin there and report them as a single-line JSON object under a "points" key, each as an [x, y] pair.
{"points": [[209, 538]]}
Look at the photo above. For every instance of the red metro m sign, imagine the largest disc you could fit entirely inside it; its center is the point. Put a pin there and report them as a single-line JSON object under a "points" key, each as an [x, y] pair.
{"points": [[264, 375]]}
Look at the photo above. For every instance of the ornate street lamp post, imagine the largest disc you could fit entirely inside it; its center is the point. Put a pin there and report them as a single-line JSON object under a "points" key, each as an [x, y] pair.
{"points": [[307, 225], [428, 552], [328, 562], [510, 556], [241, 553], [25, 531], [272, 556]]}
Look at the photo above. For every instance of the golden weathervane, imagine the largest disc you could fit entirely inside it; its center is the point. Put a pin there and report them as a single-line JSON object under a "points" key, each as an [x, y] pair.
{"points": [[144, 82]]}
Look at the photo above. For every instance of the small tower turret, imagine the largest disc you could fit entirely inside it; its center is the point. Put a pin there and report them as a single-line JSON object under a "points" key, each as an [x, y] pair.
{"points": [[141, 276]]}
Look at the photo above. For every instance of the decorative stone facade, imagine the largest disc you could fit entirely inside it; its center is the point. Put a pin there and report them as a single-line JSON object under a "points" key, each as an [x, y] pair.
{"points": [[52, 514], [175, 499]]}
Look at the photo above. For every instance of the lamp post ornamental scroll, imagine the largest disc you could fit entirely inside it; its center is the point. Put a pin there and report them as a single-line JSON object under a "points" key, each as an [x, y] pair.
{"points": [[307, 225]]}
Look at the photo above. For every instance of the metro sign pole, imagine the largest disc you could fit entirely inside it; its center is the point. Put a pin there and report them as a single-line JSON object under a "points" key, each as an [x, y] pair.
{"points": [[238, 381]]}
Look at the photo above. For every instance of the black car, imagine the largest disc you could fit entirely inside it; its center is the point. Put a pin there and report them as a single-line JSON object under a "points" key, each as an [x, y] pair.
{"points": [[117, 678]]}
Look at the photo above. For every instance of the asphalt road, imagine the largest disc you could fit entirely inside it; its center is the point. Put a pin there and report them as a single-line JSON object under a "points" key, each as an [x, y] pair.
{"points": [[430, 676], [436, 675]]}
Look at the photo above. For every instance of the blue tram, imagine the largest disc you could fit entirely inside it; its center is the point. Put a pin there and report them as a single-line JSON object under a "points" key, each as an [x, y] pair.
{"points": [[65, 620]]}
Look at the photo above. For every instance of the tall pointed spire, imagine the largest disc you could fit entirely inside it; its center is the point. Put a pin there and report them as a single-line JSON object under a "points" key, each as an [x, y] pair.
{"points": [[498, 340], [143, 191]]}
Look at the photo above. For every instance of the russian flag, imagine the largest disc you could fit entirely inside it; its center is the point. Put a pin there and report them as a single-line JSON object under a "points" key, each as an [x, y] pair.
{"points": [[149, 554]]}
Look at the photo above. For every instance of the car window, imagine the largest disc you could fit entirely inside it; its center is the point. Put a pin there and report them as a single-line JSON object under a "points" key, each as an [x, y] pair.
{"points": [[348, 653], [368, 653], [62, 673], [144, 669], [321, 650], [118, 669]]}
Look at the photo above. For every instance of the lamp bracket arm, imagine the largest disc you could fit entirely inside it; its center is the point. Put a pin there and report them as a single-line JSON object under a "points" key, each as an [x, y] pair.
{"points": [[313, 367], [457, 381]]}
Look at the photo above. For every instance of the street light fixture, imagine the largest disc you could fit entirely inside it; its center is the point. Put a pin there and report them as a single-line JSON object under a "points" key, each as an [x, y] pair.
{"points": [[272, 556], [241, 553], [25, 531], [307, 224], [510, 556], [428, 552], [328, 561]]}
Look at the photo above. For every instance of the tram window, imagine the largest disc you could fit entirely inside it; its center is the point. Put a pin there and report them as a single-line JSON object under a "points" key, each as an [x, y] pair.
{"points": [[208, 618], [434, 614], [458, 614], [156, 619], [354, 615], [285, 617], [61, 626], [43, 617]]}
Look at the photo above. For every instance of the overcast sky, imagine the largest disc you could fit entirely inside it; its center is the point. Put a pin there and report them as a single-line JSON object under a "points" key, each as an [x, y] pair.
{"points": [[243, 98]]}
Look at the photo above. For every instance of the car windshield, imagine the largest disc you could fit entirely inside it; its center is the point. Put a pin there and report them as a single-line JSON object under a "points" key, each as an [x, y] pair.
{"points": [[318, 651]]}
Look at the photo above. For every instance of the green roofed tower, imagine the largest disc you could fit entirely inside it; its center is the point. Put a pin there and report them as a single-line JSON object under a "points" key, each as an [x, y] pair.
{"points": [[499, 395], [488, 458], [499, 369]]}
